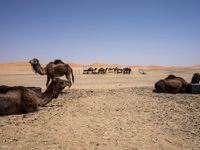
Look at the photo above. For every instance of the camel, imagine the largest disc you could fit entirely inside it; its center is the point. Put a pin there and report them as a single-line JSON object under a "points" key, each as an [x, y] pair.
{"points": [[102, 70], [118, 70], [19, 99], [110, 70], [90, 71], [53, 69], [126, 70], [94, 71], [174, 84]]}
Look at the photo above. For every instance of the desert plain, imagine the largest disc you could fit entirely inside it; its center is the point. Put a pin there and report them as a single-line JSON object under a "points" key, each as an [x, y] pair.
{"points": [[104, 112]]}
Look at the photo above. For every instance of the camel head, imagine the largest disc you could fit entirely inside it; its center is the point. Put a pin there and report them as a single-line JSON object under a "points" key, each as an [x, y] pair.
{"points": [[34, 61], [56, 86], [35, 64], [195, 78]]}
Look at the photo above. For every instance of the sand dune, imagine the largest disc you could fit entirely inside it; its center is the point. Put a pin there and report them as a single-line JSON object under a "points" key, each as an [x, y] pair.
{"points": [[25, 67], [99, 65]]}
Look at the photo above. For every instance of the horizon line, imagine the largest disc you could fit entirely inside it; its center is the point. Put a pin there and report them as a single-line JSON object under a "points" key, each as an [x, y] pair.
{"points": [[104, 64]]}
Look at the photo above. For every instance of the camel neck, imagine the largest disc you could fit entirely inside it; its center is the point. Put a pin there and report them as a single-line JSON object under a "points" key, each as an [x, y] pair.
{"points": [[38, 69], [46, 97]]}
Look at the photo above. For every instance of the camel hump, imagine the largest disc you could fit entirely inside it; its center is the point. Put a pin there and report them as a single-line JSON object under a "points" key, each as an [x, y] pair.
{"points": [[58, 61]]}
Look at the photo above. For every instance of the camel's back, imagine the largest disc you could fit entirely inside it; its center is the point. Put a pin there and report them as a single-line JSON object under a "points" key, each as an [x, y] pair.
{"points": [[10, 102], [57, 70], [175, 86], [17, 100]]}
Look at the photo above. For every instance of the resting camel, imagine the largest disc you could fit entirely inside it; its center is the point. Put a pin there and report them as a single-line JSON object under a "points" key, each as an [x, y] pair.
{"points": [[90, 71], [174, 84], [53, 69], [19, 99]]}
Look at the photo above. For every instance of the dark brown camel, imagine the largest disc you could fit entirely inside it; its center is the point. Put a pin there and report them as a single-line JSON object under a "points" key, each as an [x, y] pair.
{"points": [[53, 69], [172, 84], [118, 70], [102, 70], [90, 71], [19, 99], [126, 70]]}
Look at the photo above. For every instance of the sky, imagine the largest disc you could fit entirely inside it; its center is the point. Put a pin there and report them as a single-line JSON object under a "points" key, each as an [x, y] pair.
{"points": [[127, 32]]}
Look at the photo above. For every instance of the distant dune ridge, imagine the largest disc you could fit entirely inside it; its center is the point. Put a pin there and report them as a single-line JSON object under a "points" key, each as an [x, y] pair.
{"points": [[25, 67], [98, 65]]}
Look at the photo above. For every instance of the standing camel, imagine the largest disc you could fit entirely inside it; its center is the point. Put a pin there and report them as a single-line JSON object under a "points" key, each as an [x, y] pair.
{"points": [[118, 70], [126, 70], [102, 70], [19, 99], [53, 69]]}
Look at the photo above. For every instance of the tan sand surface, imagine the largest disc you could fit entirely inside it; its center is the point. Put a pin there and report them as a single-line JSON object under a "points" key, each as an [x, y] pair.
{"points": [[105, 112]]}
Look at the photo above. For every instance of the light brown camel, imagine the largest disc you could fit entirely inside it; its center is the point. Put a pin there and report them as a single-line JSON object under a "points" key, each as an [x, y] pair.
{"points": [[53, 69], [19, 99]]}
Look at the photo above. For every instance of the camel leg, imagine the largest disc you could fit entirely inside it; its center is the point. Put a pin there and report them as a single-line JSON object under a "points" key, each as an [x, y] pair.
{"points": [[69, 79], [48, 79]]}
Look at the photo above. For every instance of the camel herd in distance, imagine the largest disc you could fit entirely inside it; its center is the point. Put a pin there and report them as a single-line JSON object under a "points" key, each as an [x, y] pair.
{"points": [[115, 70], [20, 99]]}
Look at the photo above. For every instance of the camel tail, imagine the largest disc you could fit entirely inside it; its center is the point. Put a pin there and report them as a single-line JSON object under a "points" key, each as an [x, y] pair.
{"points": [[72, 75]]}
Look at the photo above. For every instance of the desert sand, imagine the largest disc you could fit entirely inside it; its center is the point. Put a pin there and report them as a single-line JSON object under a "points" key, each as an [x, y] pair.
{"points": [[105, 112]]}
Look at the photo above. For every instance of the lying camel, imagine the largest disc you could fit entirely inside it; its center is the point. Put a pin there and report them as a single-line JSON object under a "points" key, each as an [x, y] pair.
{"points": [[90, 71], [172, 84], [53, 69], [19, 99]]}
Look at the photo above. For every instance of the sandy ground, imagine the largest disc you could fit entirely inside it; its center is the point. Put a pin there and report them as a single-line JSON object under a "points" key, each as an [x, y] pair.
{"points": [[105, 112]]}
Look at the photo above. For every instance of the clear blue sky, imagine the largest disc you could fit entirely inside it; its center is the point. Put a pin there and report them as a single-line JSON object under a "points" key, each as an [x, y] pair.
{"points": [[128, 32]]}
